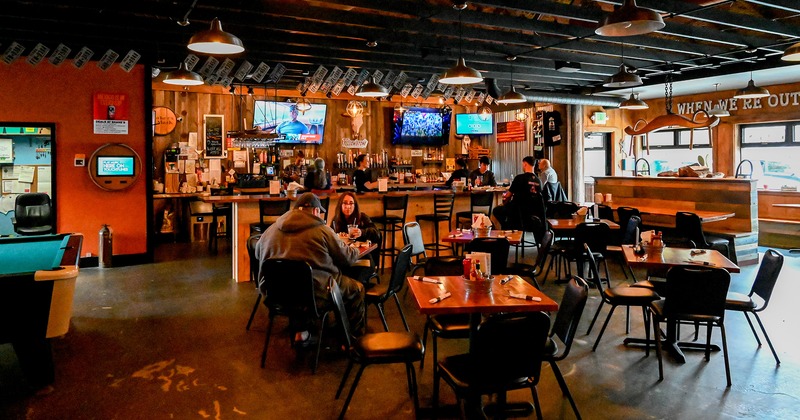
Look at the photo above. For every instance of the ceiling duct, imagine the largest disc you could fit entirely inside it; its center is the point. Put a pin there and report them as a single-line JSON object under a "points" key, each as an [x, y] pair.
{"points": [[557, 98]]}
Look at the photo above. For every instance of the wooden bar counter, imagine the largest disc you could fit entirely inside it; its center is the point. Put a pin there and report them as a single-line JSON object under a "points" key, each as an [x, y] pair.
{"points": [[718, 195], [245, 211]]}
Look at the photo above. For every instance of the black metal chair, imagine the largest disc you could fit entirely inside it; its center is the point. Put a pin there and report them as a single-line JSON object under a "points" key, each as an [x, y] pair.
{"points": [[379, 294], [767, 276], [625, 213], [689, 226], [374, 349], [33, 214], [267, 210], [325, 202], [560, 209], [744, 170], [412, 235], [219, 210], [288, 288], [618, 296], [695, 295], [479, 202], [564, 327], [605, 212], [447, 326], [254, 266], [395, 207], [442, 212], [507, 354], [628, 238]]}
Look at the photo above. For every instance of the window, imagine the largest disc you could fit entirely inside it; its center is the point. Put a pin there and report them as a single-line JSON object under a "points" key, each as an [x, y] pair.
{"points": [[774, 150], [669, 150], [595, 156]]}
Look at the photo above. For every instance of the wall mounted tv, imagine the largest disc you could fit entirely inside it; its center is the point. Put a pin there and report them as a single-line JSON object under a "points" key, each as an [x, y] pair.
{"points": [[421, 126], [116, 166], [474, 124], [293, 126]]}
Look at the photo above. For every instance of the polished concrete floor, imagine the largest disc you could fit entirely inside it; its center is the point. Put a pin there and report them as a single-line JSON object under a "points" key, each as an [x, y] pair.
{"points": [[168, 341]]}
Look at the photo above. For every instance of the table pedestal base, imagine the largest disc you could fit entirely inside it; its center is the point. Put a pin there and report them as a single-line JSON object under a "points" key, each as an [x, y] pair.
{"points": [[674, 349]]}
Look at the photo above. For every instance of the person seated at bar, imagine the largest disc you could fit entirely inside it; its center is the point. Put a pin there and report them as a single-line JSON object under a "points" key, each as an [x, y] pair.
{"points": [[348, 214], [317, 178], [482, 176], [360, 177], [296, 171], [546, 172], [461, 172], [300, 234], [522, 198]]}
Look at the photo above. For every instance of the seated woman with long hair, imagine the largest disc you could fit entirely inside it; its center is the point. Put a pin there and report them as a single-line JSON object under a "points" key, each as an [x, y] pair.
{"points": [[348, 213]]}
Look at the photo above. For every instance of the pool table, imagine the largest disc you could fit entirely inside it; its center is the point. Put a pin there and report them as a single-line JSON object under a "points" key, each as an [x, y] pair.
{"points": [[35, 300]]}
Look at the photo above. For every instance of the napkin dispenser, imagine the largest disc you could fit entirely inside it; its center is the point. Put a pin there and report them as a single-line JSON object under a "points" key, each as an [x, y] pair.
{"points": [[484, 258]]}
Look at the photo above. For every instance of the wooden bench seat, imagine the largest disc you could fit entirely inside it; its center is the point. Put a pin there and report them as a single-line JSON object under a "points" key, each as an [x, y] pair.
{"points": [[743, 245], [779, 233]]}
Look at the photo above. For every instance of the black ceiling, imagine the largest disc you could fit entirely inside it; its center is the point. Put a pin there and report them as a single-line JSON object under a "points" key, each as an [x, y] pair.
{"points": [[702, 38]]}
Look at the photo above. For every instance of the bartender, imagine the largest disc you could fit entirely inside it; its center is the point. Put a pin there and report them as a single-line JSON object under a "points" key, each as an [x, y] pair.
{"points": [[482, 176]]}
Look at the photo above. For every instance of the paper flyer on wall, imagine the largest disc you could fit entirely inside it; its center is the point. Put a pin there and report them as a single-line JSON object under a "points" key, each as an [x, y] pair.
{"points": [[110, 112]]}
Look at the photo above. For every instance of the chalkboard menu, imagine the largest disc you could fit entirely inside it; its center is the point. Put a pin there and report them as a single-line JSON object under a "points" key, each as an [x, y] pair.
{"points": [[214, 136]]}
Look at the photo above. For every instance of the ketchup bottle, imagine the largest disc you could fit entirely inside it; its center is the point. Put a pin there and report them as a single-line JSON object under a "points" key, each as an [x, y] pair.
{"points": [[467, 267]]}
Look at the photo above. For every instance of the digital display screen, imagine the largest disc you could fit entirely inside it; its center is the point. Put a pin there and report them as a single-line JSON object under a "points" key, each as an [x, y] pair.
{"points": [[474, 124], [421, 126], [116, 166], [293, 126]]}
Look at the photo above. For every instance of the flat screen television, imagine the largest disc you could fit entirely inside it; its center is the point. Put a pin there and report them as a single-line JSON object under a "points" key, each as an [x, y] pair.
{"points": [[421, 126], [116, 166], [474, 124], [292, 126]]}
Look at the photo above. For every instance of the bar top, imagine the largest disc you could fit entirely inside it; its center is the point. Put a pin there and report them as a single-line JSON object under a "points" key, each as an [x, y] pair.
{"points": [[335, 194], [675, 178]]}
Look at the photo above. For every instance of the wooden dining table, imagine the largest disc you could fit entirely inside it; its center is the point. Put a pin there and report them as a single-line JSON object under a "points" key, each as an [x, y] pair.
{"points": [[664, 259], [566, 226], [462, 237]]}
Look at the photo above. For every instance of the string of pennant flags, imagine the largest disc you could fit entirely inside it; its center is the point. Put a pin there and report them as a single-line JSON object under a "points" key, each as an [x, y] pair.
{"points": [[216, 73]]}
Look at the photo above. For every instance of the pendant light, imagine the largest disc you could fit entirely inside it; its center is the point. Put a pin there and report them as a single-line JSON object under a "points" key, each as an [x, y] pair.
{"points": [[183, 77], [460, 74], [512, 96], [751, 91], [215, 41], [303, 105], [716, 110], [633, 103], [354, 108], [400, 108], [792, 53], [370, 89], [624, 77], [520, 115], [630, 20]]}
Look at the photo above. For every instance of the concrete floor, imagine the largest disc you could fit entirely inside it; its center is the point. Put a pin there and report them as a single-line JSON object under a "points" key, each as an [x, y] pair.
{"points": [[168, 341]]}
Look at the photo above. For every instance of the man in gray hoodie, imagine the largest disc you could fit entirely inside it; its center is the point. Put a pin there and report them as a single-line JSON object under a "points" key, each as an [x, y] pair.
{"points": [[300, 234]]}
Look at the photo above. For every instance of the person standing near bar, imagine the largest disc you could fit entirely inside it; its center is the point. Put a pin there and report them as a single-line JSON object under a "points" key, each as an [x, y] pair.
{"points": [[300, 234], [461, 172], [523, 198], [546, 172], [317, 178], [296, 171], [482, 176], [360, 178]]}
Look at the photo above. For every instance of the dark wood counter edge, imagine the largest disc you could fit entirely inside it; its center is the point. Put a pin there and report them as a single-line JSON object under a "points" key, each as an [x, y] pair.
{"points": [[677, 178], [360, 196]]}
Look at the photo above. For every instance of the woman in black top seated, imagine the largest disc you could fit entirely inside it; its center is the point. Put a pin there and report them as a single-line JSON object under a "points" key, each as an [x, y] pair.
{"points": [[348, 213], [461, 172], [360, 177]]}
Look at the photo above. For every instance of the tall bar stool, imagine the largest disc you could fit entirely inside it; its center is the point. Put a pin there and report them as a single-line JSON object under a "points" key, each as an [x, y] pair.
{"points": [[269, 208], [221, 215], [392, 220], [479, 202], [442, 212]]}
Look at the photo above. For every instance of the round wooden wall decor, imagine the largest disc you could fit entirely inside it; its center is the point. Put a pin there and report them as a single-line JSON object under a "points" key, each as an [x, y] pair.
{"points": [[164, 120]]}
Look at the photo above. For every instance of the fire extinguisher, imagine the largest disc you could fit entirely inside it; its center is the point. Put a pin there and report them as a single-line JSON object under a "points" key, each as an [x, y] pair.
{"points": [[106, 246]]}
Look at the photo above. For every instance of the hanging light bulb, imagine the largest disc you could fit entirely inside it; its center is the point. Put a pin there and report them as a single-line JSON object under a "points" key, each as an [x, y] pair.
{"points": [[354, 108], [303, 105], [521, 115], [183, 77], [717, 110], [250, 91], [512, 96], [371, 89], [625, 77], [485, 113], [630, 20], [400, 108]]}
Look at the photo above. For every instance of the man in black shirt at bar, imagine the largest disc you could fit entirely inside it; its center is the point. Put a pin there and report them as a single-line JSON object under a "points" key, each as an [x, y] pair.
{"points": [[523, 199]]}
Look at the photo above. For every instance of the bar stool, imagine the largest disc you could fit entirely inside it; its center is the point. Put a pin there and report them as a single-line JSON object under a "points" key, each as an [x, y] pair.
{"points": [[394, 216], [269, 208], [478, 200], [218, 212], [442, 212]]}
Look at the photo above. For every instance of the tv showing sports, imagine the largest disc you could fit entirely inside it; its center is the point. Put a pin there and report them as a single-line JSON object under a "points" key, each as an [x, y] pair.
{"points": [[474, 124], [421, 126], [292, 125], [116, 166]]}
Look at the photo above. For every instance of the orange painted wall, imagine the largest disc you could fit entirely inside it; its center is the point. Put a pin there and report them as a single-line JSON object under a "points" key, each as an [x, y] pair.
{"points": [[63, 95]]}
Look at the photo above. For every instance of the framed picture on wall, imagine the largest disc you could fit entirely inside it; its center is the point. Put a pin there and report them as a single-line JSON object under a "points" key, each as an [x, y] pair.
{"points": [[214, 136]]}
